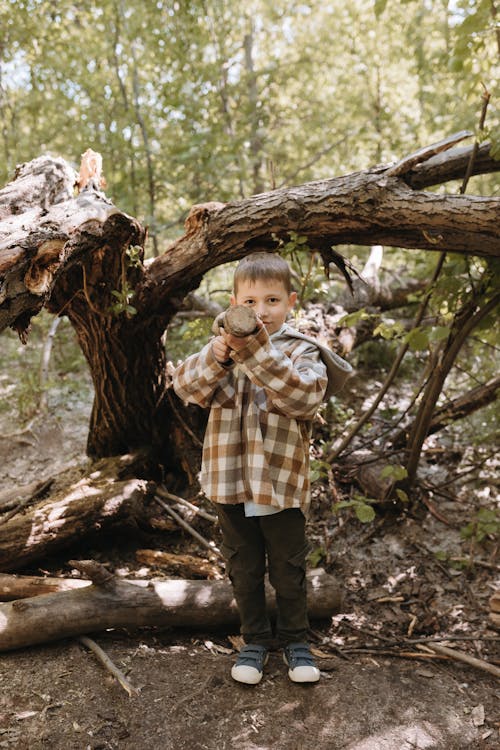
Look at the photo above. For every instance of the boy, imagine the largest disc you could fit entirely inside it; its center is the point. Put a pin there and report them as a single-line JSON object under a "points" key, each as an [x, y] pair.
{"points": [[263, 392]]}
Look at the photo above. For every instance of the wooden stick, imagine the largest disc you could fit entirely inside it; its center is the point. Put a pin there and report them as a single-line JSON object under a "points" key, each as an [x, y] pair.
{"points": [[187, 527], [199, 511], [108, 664], [460, 656], [188, 566]]}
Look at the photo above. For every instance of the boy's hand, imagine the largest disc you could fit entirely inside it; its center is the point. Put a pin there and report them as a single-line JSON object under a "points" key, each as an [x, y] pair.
{"points": [[237, 342], [220, 349]]}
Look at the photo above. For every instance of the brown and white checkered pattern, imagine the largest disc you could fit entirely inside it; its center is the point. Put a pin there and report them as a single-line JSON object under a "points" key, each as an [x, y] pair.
{"points": [[261, 409]]}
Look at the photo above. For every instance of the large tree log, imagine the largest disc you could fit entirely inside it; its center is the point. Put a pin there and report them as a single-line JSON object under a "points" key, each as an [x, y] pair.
{"points": [[92, 503], [112, 603]]}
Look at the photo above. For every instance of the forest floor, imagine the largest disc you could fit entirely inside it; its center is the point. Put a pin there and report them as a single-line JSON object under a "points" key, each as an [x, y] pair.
{"points": [[378, 691]]}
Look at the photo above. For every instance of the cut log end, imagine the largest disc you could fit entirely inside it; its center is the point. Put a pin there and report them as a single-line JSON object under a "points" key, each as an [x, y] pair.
{"points": [[237, 320]]}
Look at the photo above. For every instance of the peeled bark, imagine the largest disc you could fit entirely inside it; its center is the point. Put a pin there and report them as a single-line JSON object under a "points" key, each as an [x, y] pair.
{"points": [[111, 603]]}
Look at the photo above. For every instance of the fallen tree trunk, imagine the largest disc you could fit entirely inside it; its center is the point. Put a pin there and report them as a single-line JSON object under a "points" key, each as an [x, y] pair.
{"points": [[111, 603], [92, 503]]}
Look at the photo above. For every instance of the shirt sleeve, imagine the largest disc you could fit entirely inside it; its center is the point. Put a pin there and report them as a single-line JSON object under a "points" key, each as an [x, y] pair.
{"points": [[294, 384], [196, 379]]}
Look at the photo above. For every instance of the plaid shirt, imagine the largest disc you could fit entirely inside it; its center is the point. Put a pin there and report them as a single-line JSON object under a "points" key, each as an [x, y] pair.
{"points": [[256, 446]]}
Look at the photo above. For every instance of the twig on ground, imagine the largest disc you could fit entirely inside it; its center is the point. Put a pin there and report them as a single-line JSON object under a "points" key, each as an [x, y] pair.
{"points": [[108, 664], [460, 656], [434, 511], [394, 652], [187, 527], [199, 511]]}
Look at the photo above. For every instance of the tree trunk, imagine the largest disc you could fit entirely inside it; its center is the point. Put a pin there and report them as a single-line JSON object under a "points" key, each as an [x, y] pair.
{"points": [[90, 504], [465, 321], [112, 603]]}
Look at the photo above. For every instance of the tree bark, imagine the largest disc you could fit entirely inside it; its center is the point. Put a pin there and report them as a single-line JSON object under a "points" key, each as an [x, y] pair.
{"points": [[92, 503], [110, 603], [465, 321]]}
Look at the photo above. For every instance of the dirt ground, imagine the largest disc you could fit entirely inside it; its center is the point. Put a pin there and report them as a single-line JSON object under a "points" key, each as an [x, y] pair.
{"points": [[377, 691]]}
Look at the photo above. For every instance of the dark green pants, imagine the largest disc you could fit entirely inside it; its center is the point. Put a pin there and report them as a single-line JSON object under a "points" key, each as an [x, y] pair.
{"points": [[247, 542]]}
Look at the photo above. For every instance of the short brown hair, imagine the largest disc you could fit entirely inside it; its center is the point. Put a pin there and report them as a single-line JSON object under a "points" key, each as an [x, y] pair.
{"points": [[262, 266]]}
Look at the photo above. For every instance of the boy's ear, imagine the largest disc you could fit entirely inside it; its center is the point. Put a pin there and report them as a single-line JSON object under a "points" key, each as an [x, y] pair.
{"points": [[232, 300], [292, 299]]}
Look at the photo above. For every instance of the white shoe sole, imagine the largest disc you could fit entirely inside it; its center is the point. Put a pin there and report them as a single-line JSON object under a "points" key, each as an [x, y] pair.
{"points": [[247, 675], [303, 674]]}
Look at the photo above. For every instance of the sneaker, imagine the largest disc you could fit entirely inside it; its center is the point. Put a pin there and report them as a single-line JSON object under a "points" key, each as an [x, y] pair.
{"points": [[249, 665], [300, 662]]}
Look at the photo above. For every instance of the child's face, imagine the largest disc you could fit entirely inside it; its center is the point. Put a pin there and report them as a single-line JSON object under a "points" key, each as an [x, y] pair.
{"points": [[269, 299]]}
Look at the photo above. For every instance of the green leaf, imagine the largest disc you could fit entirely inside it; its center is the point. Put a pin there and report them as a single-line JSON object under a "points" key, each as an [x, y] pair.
{"points": [[315, 556], [352, 318], [402, 495], [365, 513], [395, 471], [343, 504], [417, 339], [388, 331], [438, 333], [379, 7]]}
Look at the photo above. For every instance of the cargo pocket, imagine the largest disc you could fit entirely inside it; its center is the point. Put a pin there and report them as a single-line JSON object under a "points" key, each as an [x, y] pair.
{"points": [[288, 576]]}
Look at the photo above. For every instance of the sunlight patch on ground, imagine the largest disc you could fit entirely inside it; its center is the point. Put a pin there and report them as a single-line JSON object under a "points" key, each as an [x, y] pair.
{"points": [[421, 736]]}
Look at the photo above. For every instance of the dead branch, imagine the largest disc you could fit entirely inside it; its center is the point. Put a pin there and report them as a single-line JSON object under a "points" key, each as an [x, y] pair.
{"points": [[187, 527], [108, 664], [470, 660], [162, 492]]}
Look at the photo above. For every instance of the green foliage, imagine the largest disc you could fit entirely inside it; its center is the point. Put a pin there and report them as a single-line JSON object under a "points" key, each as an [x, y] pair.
{"points": [[319, 470], [361, 505], [123, 298], [187, 338], [187, 101], [352, 319], [315, 556], [486, 523], [394, 471]]}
